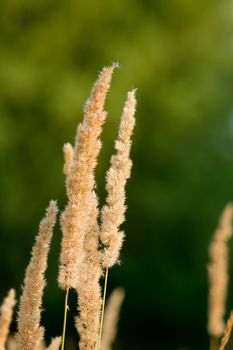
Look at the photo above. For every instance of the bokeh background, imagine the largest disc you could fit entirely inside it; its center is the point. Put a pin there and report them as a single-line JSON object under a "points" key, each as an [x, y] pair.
{"points": [[179, 55]]}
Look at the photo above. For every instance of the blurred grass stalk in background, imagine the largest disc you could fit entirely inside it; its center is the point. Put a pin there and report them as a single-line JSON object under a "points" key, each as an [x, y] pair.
{"points": [[218, 281]]}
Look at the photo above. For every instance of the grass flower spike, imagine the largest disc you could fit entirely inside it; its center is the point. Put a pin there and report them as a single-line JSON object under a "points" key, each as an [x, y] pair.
{"points": [[91, 238], [80, 163], [113, 213], [218, 273], [111, 318], [80, 181], [30, 333], [6, 312]]}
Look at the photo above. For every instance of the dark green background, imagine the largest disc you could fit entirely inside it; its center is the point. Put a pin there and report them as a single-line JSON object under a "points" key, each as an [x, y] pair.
{"points": [[179, 55]]}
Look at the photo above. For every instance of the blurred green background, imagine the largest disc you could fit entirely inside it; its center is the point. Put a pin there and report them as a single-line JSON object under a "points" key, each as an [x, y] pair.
{"points": [[179, 55]]}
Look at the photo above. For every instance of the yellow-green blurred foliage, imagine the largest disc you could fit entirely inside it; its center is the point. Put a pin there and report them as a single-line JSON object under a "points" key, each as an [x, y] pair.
{"points": [[179, 54]]}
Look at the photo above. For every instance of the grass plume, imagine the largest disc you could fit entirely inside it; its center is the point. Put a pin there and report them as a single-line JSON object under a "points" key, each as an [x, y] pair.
{"points": [[91, 238], [218, 273], [113, 213], [80, 181], [6, 313], [30, 333], [111, 318]]}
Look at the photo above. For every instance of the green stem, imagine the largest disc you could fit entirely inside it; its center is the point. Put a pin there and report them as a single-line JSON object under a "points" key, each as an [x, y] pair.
{"points": [[103, 308], [64, 320], [213, 343]]}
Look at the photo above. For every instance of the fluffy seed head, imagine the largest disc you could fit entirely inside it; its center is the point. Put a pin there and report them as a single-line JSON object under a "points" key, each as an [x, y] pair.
{"points": [[218, 273], [80, 181], [6, 312], [30, 333], [111, 318], [113, 213]]}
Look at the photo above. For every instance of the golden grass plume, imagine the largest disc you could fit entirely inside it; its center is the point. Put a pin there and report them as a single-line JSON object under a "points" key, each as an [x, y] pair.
{"points": [[111, 318], [218, 273], [113, 213], [6, 313], [30, 333], [80, 181], [91, 239]]}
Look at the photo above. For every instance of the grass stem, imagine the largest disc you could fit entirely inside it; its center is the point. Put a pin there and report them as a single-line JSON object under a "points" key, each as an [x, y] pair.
{"points": [[64, 320], [213, 343], [103, 308]]}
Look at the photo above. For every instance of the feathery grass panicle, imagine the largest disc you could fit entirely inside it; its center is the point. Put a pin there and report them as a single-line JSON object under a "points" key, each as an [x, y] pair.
{"points": [[89, 291], [55, 344], [87, 142], [111, 318], [113, 213], [218, 273], [6, 313], [30, 333], [227, 332], [80, 182]]}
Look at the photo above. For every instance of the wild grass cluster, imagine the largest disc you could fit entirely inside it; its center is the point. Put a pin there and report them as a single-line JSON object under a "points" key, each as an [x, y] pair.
{"points": [[91, 243], [91, 237]]}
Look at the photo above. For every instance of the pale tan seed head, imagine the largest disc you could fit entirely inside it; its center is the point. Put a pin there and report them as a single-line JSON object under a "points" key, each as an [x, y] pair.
{"points": [[30, 333], [218, 273], [87, 142], [111, 318], [6, 313], [113, 213], [80, 181]]}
